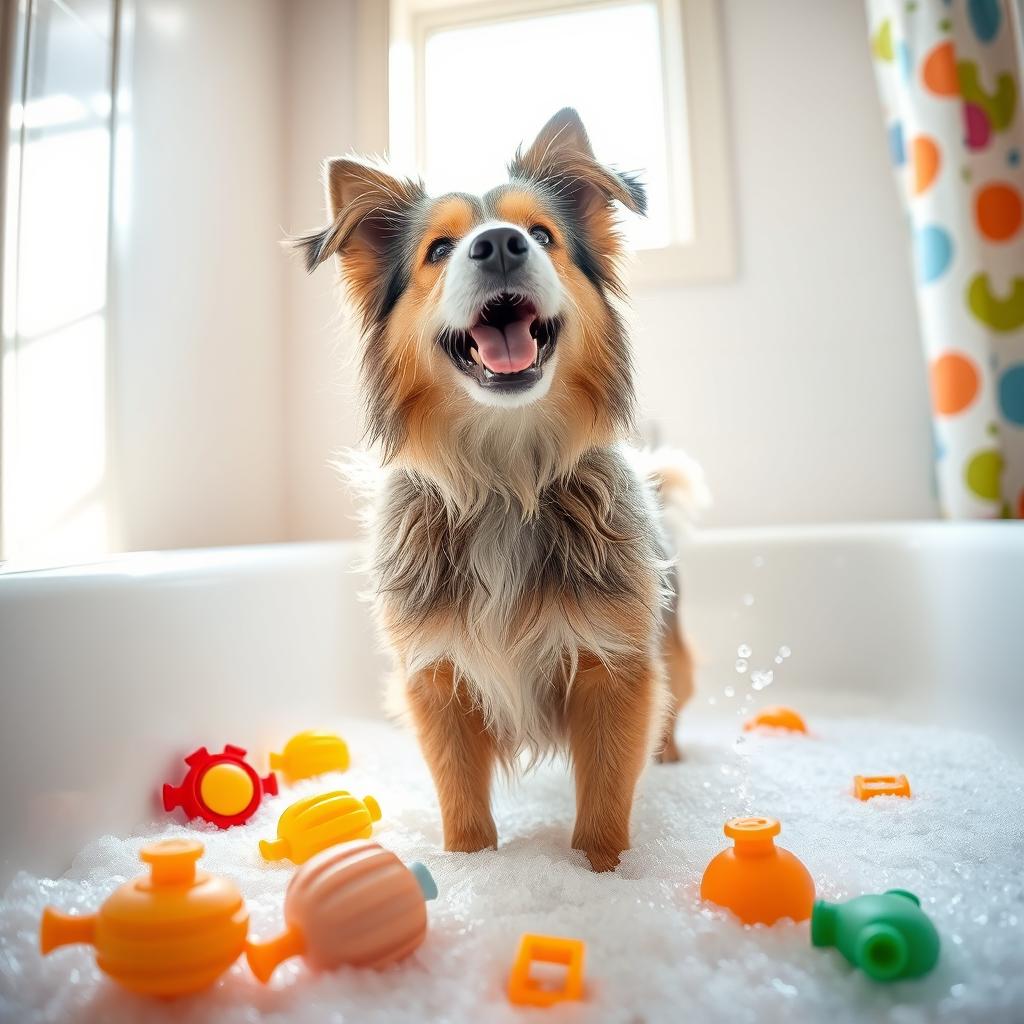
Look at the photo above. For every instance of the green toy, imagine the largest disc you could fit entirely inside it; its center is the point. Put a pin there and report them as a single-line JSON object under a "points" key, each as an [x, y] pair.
{"points": [[889, 937]]}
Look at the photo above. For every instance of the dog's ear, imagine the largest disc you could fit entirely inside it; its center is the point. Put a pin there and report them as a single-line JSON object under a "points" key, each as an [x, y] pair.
{"points": [[562, 160], [370, 210]]}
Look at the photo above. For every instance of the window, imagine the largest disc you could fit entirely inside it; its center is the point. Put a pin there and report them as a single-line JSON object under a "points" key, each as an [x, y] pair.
{"points": [[55, 246], [634, 69]]}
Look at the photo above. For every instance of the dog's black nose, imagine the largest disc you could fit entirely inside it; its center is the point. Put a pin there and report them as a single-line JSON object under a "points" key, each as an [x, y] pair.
{"points": [[499, 249]]}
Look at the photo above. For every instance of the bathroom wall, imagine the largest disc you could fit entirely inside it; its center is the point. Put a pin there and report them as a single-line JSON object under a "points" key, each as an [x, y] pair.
{"points": [[799, 385], [198, 348], [321, 410]]}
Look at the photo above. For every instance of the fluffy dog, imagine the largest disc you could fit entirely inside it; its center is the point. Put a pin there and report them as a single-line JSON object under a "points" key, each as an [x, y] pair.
{"points": [[519, 567]]}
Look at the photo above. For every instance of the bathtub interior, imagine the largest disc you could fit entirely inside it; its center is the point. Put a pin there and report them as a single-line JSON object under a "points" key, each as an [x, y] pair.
{"points": [[113, 672]]}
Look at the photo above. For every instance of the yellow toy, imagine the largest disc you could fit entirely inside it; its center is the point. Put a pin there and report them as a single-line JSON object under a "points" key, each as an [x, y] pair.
{"points": [[311, 825], [170, 933], [311, 753]]}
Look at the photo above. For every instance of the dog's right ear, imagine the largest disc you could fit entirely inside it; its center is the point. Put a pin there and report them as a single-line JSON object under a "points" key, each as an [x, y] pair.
{"points": [[370, 209]]}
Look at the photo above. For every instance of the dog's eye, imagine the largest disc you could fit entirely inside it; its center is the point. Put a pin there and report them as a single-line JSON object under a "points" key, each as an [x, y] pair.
{"points": [[540, 235], [439, 249]]}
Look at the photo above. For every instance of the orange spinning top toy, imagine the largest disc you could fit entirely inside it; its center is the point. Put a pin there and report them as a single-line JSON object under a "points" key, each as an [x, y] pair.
{"points": [[755, 879], [169, 933]]}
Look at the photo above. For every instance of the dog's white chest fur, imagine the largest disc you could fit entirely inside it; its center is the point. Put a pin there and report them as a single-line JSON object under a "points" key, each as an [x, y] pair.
{"points": [[512, 601]]}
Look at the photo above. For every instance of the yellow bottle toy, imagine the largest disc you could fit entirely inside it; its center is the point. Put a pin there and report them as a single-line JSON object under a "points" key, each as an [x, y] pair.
{"points": [[311, 825], [311, 753], [169, 933]]}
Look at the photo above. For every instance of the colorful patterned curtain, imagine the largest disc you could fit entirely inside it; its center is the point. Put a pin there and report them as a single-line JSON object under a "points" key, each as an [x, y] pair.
{"points": [[949, 76]]}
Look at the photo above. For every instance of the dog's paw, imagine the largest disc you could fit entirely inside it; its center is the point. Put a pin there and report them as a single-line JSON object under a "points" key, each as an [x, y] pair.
{"points": [[603, 860], [669, 754], [602, 852], [471, 838]]}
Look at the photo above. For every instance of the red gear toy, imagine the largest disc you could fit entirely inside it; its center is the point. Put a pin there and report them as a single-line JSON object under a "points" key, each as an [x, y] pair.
{"points": [[220, 788]]}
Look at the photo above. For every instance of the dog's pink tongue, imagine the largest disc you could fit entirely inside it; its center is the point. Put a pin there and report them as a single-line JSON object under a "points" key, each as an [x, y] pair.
{"points": [[507, 352]]}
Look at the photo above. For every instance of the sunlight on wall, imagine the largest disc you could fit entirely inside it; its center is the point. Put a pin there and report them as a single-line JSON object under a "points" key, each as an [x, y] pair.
{"points": [[505, 79], [55, 329]]}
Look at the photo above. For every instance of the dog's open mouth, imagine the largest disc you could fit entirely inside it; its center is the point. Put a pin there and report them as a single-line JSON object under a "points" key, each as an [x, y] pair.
{"points": [[508, 345]]}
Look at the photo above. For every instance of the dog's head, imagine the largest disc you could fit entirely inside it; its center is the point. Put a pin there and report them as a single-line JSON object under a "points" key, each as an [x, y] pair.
{"points": [[481, 311]]}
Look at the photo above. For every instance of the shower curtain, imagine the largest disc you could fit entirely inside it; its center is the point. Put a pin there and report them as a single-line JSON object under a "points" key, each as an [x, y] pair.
{"points": [[949, 76]]}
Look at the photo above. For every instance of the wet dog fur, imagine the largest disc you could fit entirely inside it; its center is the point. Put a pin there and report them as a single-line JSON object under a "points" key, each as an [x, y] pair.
{"points": [[519, 567]]}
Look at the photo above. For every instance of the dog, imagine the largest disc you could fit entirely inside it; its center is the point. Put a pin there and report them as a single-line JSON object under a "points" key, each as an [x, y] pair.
{"points": [[519, 565]]}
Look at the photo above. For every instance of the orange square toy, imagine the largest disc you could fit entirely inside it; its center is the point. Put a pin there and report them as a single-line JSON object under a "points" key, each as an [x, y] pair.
{"points": [[525, 990], [867, 786]]}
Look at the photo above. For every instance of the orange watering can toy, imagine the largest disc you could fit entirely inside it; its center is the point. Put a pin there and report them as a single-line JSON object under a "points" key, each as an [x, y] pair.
{"points": [[169, 933]]}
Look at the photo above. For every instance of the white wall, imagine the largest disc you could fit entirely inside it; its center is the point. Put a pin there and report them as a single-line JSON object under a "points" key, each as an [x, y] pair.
{"points": [[321, 405], [198, 357], [800, 385]]}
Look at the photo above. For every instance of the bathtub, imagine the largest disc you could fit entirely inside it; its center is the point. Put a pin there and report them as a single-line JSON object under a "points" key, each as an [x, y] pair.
{"points": [[111, 672]]}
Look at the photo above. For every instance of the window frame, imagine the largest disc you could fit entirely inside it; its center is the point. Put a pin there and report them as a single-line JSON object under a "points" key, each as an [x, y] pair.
{"points": [[695, 119]]}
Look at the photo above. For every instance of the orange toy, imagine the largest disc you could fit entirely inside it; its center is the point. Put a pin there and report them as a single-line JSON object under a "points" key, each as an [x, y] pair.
{"points": [[355, 904], [755, 879], [867, 786], [170, 933], [776, 717], [311, 825], [527, 991]]}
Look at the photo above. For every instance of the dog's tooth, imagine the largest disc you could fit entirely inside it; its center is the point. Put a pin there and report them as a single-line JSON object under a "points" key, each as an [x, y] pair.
{"points": [[474, 354]]}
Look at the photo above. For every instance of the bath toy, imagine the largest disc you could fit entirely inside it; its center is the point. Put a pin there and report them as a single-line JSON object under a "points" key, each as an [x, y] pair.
{"points": [[169, 933], [311, 825], [755, 879], [311, 753], [867, 786], [355, 904], [776, 717], [888, 936], [223, 788], [525, 990]]}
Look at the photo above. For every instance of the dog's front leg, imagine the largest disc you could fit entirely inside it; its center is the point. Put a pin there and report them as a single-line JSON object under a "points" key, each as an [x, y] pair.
{"points": [[459, 751], [608, 717]]}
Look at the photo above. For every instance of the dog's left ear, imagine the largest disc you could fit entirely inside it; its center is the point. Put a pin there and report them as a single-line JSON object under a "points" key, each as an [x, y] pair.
{"points": [[562, 159]]}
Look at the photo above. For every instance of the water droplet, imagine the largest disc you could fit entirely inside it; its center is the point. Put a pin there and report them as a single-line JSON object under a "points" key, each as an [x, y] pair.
{"points": [[759, 680], [744, 650], [748, 600], [783, 989], [957, 991], [778, 659], [758, 561], [730, 691], [784, 651], [711, 700], [741, 665]]}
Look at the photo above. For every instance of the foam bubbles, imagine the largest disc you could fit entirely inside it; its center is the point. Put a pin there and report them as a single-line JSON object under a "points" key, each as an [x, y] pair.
{"points": [[654, 951]]}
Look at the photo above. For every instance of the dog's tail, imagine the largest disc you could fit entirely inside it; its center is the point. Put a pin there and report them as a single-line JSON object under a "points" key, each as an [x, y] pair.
{"points": [[680, 484]]}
